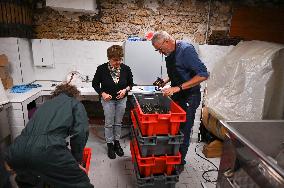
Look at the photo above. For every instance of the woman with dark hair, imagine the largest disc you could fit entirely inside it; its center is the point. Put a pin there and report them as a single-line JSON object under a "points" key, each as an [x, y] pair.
{"points": [[112, 81], [40, 153]]}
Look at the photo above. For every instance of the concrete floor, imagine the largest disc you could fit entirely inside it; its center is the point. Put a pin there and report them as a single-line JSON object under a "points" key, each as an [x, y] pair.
{"points": [[119, 173]]}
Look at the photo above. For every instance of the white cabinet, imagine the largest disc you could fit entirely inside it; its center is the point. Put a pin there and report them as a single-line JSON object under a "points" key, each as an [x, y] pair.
{"points": [[43, 52]]}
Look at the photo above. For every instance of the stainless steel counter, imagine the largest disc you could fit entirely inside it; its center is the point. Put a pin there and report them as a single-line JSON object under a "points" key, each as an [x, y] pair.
{"points": [[252, 154]]}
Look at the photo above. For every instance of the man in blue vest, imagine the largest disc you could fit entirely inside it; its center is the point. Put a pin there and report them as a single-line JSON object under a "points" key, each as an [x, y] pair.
{"points": [[185, 72]]}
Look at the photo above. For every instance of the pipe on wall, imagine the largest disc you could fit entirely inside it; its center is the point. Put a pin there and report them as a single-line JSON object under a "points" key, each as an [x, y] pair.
{"points": [[208, 22]]}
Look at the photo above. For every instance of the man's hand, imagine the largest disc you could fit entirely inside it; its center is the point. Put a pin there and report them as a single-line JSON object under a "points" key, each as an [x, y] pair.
{"points": [[82, 168], [121, 93], [8, 168], [170, 91], [106, 97]]}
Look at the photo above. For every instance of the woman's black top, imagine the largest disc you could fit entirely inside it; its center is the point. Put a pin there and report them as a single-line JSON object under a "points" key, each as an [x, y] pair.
{"points": [[103, 82]]}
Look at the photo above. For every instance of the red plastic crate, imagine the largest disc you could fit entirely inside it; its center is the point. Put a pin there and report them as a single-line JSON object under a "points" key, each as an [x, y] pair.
{"points": [[160, 124], [153, 165], [87, 158]]}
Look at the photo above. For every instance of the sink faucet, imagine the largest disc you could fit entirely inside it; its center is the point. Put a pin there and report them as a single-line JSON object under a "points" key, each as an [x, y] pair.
{"points": [[86, 79]]}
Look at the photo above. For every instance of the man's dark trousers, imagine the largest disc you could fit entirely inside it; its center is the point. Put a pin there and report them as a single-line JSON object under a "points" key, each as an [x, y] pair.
{"points": [[189, 105]]}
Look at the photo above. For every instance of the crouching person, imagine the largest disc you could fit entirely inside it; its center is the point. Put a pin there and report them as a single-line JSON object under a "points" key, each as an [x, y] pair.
{"points": [[40, 153]]}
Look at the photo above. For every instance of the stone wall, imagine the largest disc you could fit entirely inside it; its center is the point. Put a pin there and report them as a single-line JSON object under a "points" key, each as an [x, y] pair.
{"points": [[195, 20]]}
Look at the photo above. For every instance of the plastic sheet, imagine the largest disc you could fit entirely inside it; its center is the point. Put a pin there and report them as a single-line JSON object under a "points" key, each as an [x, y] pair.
{"points": [[248, 83]]}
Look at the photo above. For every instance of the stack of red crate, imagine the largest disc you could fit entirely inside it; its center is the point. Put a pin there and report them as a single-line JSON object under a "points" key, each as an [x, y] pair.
{"points": [[155, 140], [87, 155]]}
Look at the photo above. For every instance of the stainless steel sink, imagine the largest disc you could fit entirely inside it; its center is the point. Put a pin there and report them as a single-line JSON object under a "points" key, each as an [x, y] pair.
{"points": [[254, 149], [265, 136]]}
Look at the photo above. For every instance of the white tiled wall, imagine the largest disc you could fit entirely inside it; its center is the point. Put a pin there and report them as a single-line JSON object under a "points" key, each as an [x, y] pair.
{"points": [[16, 131], [26, 60], [9, 47], [71, 55], [19, 55]]}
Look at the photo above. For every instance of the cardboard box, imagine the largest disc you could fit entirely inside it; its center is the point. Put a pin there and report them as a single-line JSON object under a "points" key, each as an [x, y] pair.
{"points": [[4, 73], [3, 60], [7, 82], [213, 149]]}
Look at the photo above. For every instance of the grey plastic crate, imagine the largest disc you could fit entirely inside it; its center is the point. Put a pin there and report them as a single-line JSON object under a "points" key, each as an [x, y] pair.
{"points": [[157, 145], [156, 181]]}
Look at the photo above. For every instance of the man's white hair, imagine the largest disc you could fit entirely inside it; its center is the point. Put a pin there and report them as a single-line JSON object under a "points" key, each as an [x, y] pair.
{"points": [[160, 36]]}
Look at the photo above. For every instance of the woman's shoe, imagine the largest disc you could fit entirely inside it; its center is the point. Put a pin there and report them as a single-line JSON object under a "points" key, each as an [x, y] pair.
{"points": [[117, 148], [110, 151]]}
